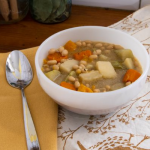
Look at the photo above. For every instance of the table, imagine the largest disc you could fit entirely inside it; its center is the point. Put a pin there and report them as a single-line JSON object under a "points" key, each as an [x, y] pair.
{"points": [[29, 33]]}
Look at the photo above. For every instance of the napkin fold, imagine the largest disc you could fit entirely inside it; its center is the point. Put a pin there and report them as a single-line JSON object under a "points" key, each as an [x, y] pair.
{"points": [[43, 109]]}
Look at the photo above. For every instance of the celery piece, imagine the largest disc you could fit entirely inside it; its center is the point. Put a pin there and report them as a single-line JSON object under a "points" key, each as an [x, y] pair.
{"points": [[103, 57], [118, 65], [72, 73]]}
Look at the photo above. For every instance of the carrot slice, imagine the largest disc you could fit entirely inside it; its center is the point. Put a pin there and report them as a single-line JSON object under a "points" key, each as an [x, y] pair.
{"points": [[68, 85], [83, 88], [70, 46], [56, 56], [131, 75], [82, 55]]}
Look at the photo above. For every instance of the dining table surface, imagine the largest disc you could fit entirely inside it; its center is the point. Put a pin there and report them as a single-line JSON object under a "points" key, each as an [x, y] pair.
{"points": [[127, 128], [30, 33]]}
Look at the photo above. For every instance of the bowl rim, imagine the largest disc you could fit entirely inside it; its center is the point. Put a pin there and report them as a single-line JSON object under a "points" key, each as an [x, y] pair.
{"points": [[83, 93]]}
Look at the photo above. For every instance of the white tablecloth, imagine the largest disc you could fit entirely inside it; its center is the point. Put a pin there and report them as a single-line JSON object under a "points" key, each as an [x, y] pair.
{"points": [[126, 129]]}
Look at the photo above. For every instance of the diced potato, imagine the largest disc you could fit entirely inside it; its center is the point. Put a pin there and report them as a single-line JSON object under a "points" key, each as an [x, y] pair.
{"points": [[67, 65], [72, 73], [124, 53], [129, 63], [90, 76], [117, 86], [103, 57], [52, 75], [106, 69]]}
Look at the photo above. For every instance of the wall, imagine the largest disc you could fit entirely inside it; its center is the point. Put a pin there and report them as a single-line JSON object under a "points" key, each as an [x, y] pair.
{"points": [[116, 4], [145, 2]]}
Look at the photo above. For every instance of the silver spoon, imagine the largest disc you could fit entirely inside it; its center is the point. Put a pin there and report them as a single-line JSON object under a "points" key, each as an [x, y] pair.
{"points": [[19, 75]]}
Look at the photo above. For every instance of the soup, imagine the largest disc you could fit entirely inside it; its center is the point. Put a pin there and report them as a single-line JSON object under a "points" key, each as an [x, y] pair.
{"points": [[91, 66]]}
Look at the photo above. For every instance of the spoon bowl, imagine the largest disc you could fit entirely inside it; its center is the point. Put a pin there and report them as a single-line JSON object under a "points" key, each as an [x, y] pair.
{"points": [[19, 75], [18, 70]]}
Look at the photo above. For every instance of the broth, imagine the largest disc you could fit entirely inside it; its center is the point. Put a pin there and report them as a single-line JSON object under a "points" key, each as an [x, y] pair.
{"points": [[92, 66]]}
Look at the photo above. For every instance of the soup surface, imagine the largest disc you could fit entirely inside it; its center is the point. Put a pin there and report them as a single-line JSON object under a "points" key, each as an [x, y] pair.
{"points": [[91, 66]]}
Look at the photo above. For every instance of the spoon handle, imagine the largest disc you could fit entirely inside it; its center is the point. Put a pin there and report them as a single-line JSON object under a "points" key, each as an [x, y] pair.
{"points": [[31, 136]]}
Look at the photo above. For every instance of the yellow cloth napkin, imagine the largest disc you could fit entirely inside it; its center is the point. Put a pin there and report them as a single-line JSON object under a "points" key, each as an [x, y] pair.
{"points": [[43, 110]]}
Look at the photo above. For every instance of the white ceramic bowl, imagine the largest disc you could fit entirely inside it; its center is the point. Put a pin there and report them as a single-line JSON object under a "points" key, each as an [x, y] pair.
{"points": [[92, 103]]}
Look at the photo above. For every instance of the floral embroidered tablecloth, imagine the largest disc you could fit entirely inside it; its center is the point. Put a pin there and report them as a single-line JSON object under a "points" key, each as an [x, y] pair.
{"points": [[126, 129]]}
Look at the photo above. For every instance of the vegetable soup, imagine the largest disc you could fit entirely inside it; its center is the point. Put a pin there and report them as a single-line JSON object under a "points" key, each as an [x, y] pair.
{"points": [[91, 66]]}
